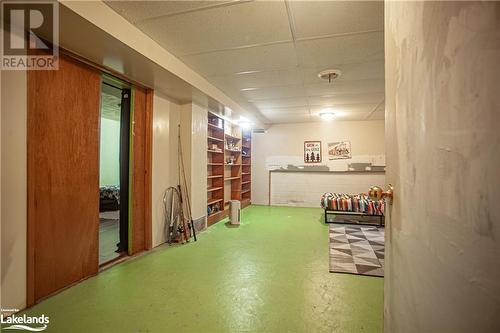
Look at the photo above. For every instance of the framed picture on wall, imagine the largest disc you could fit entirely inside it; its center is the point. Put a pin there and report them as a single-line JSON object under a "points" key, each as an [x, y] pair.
{"points": [[339, 150], [312, 151]]}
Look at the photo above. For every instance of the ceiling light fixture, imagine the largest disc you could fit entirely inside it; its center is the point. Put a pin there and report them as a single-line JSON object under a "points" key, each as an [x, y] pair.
{"points": [[327, 114], [248, 89], [244, 123]]}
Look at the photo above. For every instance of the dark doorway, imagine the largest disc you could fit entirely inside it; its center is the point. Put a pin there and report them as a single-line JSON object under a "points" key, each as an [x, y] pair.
{"points": [[114, 170]]}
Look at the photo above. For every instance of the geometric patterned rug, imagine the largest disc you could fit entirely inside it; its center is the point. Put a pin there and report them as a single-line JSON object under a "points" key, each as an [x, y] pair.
{"points": [[357, 249]]}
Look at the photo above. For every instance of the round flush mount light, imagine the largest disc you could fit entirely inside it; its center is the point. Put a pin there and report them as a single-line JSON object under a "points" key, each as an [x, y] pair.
{"points": [[327, 114], [329, 74], [245, 125]]}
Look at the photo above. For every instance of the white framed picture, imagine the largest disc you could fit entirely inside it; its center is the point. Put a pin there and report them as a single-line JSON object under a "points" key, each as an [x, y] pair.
{"points": [[312, 151]]}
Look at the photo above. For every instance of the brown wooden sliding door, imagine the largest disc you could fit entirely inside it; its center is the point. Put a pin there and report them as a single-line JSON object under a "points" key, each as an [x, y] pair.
{"points": [[63, 176]]}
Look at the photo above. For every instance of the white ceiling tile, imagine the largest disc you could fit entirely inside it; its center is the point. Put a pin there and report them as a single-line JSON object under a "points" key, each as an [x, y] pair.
{"points": [[248, 81], [352, 116], [269, 57], [274, 92], [280, 102], [346, 109], [304, 110], [343, 87], [324, 52], [290, 118], [319, 18], [349, 72], [110, 103], [339, 99], [221, 27], [134, 11], [377, 115]]}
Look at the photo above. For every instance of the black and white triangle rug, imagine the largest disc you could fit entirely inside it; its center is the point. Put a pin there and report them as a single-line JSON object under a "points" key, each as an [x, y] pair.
{"points": [[357, 249]]}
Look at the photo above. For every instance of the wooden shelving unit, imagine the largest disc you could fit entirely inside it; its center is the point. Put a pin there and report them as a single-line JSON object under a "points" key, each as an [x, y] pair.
{"points": [[229, 167], [215, 168], [232, 157], [246, 168]]}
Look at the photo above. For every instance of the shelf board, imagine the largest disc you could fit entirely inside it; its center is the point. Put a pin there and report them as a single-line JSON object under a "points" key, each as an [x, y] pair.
{"points": [[234, 151], [246, 164], [232, 178], [214, 176], [211, 138], [232, 137], [215, 164], [215, 127], [246, 155], [245, 191], [211, 189], [212, 214], [211, 202], [232, 164], [215, 151], [245, 173], [248, 181]]}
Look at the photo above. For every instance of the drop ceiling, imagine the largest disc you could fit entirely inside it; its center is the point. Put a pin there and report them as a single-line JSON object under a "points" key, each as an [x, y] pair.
{"points": [[110, 102], [266, 55]]}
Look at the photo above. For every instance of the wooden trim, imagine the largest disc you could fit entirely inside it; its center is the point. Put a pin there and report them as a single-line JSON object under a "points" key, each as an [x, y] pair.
{"points": [[141, 223], [148, 169], [30, 203]]}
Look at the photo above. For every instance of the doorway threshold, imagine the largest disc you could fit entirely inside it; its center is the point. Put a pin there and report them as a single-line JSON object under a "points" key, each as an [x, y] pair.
{"points": [[123, 256]]}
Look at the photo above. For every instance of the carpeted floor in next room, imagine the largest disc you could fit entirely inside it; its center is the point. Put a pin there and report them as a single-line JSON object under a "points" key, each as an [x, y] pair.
{"points": [[268, 275]]}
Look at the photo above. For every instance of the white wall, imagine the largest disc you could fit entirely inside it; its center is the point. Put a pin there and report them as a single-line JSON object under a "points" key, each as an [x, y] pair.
{"points": [[443, 156], [166, 117], [13, 189], [367, 138], [304, 189], [199, 161], [194, 123]]}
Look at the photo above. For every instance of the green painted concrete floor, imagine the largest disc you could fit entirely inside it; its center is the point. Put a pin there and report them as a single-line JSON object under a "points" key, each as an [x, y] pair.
{"points": [[268, 275]]}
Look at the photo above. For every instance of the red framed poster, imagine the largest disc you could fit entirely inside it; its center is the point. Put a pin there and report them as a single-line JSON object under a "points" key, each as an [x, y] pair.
{"points": [[312, 151]]}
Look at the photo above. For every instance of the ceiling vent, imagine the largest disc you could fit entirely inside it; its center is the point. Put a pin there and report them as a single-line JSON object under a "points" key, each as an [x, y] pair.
{"points": [[329, 74], [258, 130]]}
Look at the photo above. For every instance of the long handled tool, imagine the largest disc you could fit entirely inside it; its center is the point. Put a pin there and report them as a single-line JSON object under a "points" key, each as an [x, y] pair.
{"points": [[192, 230]]}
